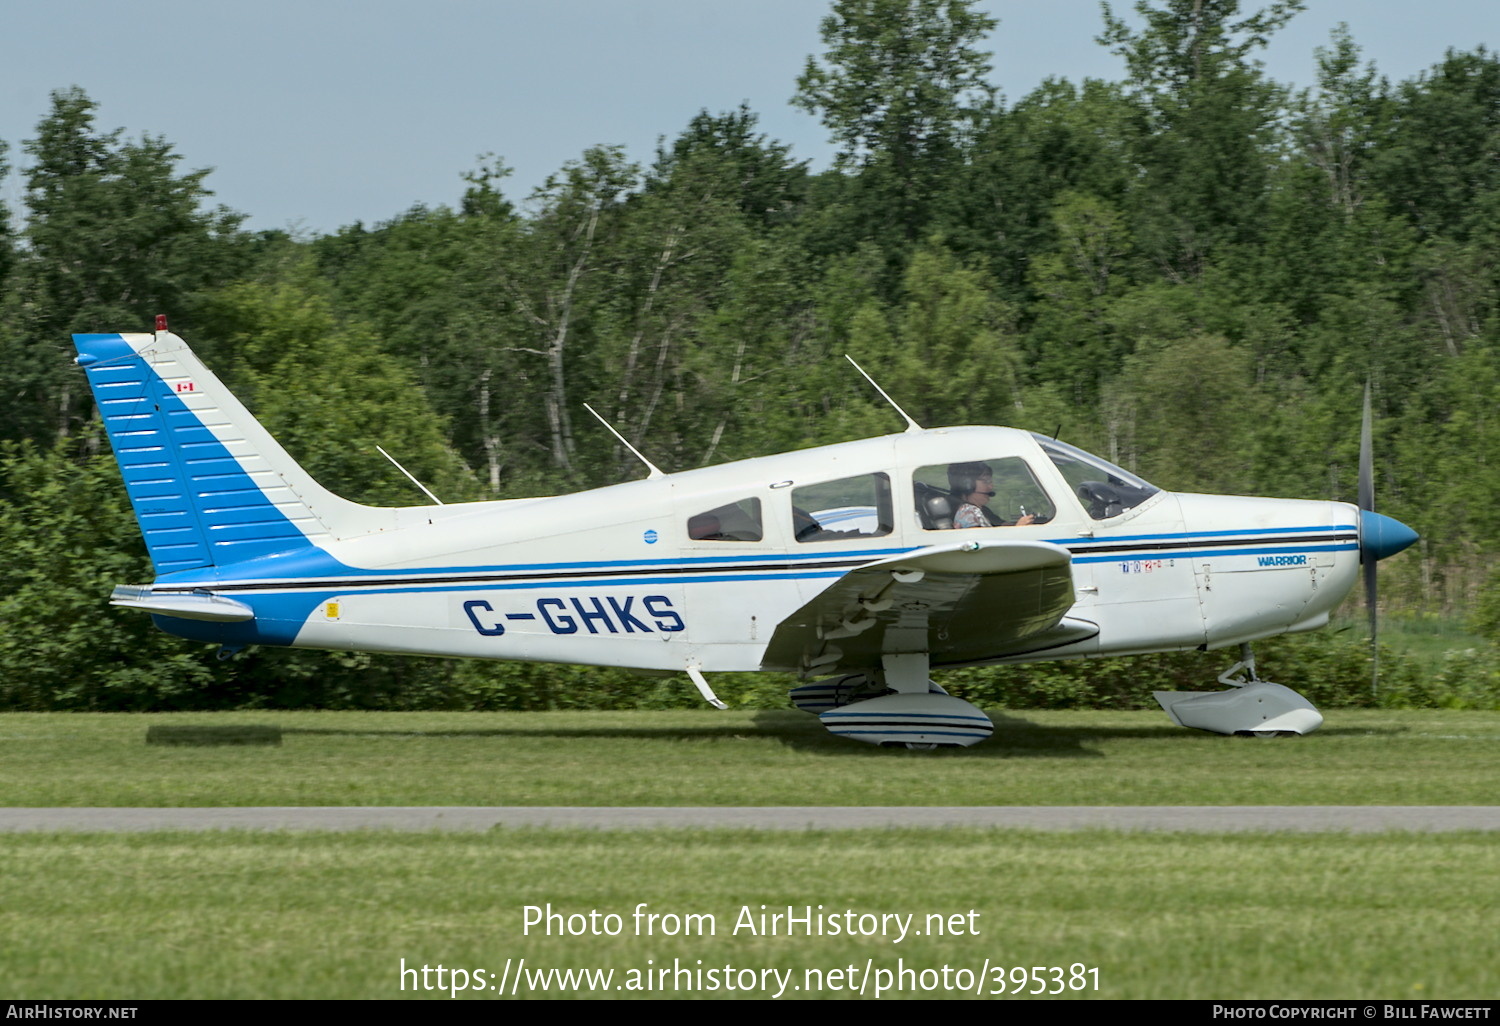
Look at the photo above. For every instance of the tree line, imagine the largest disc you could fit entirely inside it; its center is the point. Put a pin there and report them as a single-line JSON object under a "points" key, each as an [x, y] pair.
{"points": [[1192, 270]]}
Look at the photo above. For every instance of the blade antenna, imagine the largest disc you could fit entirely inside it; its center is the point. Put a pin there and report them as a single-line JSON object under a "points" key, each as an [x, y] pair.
{"points": [[1367, 503], [911, 425], [652, 467], [413, 480]]}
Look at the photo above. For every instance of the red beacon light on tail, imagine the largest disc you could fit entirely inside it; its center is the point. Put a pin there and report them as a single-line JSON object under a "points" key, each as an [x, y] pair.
{"points": [[161, 322]]}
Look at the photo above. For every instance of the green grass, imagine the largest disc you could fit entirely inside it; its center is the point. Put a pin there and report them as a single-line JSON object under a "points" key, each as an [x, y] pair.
{"points": [[1161, 916], [1360, 757], [286, 915]]}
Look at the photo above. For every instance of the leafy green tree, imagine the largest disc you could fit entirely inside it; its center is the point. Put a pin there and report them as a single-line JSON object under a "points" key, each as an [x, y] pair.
{"points": [[483, 198], [418, 282], [1329, 248], [397, 277], [710, 278], [69, 537], [1178, 414], [548, 271], [1207, 124], [757, 363], [1446, 469], [114, 234], [692, 243], [1335, 128], [1073, 343], [999, 206], [1187, 41], [7, 238], [726, 153], [1436, 160], [330, 394], [899, 88], [945, 355], [1484, 618]]}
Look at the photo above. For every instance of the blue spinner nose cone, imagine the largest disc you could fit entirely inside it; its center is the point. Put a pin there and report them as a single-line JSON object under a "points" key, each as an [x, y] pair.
{"points": [[1381, 536]]}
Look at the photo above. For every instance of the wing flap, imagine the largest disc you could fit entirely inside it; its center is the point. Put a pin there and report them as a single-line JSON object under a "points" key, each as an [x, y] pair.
{"points": [[964, 602]]}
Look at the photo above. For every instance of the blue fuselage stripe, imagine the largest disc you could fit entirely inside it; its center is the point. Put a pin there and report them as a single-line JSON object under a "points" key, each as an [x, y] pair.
{"points": [[1212, 553], [1186, 543], [672, 570]]}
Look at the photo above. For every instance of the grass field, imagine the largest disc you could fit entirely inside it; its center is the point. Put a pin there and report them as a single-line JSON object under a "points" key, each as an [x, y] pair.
{"points": [[299, 915], [245, 915], [1360, 757]]}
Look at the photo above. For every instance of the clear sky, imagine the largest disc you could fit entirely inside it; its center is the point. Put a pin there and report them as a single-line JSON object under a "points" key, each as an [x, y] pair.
{"points": [[318, 113]]}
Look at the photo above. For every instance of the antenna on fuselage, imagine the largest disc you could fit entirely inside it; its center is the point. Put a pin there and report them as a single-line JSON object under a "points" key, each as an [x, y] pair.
{"points": [[911, 425], [413, 480], [655, 470]]}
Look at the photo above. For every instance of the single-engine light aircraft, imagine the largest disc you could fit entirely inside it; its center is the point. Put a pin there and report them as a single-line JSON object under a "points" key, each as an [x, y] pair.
{"points": [[859, 566]]}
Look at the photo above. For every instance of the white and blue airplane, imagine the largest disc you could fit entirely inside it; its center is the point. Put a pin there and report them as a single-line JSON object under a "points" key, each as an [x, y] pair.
{"points": [[853, 565]]}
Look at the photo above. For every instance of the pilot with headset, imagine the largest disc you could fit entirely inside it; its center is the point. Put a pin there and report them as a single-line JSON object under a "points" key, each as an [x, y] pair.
{"points": [[973, 485]]}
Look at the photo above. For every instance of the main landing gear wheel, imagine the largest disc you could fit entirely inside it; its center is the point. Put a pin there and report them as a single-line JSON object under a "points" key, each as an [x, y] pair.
{"points": [[910, 711], [915, 722]]}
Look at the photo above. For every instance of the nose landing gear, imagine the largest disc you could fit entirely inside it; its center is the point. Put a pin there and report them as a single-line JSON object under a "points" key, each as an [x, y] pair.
{"points": [[1251, 706]]}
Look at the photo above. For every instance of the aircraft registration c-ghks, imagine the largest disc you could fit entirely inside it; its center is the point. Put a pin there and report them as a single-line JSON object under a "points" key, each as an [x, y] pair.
{"points": [[859, 566]]}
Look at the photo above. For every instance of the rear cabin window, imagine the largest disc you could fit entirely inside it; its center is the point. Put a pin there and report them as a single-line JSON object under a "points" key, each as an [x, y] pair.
{"points": [[851, 507], [979, 493], [732, 522]]}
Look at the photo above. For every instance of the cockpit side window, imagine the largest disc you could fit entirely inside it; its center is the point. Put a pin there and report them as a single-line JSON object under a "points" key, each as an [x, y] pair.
{"points": [[851, 507], [734, 521], [999, 492], [1105, 489]]}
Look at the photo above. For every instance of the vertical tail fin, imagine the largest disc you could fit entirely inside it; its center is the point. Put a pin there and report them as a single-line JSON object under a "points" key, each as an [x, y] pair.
{"points": [[209, 485]]}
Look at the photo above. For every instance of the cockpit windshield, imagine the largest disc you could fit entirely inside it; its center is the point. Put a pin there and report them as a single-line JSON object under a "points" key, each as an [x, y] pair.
{"points": [[1105, 489]]}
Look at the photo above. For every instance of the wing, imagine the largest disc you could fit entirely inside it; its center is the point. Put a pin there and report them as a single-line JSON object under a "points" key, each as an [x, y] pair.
{"points": [[964, 602]]}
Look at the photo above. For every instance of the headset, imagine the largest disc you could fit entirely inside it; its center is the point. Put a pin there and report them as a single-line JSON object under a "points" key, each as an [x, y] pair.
{"points": [[963, 478]]}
